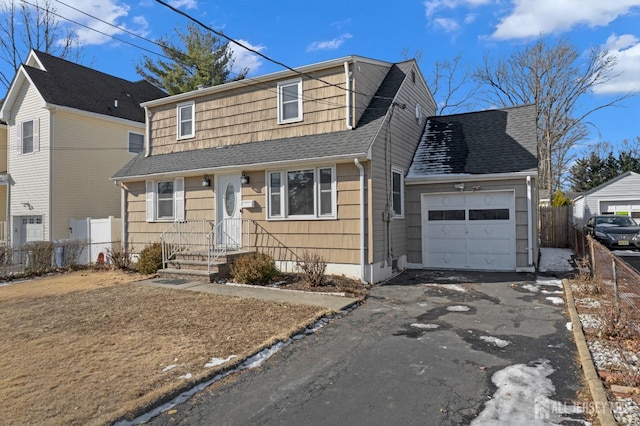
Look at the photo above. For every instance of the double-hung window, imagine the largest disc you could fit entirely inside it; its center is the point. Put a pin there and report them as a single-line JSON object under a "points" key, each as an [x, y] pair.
{"points": [[304, 193], [165, 200], [27, 136], [136, 142], [397, 193], [290, 101], [186, 120]]}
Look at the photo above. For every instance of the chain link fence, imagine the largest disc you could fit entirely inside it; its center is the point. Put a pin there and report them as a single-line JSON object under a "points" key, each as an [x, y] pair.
{"points": [[619, 282]]}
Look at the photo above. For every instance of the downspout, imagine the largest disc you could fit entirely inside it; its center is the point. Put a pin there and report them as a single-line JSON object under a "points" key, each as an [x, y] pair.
{"points": [[348, 101], [147, 132], [52, 171], [529, 224], [362, 227], [124, 218]]}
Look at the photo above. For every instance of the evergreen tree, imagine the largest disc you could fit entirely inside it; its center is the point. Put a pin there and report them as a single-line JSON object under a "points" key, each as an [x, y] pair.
{"points": [[198, 59], [594, 170]]}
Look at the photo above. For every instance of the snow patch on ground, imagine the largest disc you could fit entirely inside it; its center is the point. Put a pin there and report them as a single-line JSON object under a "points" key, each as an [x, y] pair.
{"points": [[424, 326], [523, 398], [532, 288], [555, 260], [554, 282], [569, 326], [458, 308], [588, 303], [219, 361], [169, 367], [555, 300], [590, 321], [496, 341]]}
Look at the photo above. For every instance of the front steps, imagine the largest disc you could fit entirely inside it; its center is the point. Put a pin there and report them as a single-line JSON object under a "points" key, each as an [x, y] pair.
{"points": [[192, 265]]}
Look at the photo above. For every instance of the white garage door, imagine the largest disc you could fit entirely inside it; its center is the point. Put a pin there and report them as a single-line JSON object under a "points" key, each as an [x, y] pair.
{"points": [[474, 230]]}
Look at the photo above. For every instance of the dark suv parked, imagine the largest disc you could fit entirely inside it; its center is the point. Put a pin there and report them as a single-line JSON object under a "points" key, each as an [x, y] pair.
{"points": [[615, 232]]}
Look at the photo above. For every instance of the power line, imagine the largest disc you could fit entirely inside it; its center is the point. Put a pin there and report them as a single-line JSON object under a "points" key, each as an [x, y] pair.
{"points": [[256, 82], [257, 52]]}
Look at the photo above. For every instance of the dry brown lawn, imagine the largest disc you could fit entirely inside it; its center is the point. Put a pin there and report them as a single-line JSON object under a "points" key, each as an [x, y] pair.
{"points": [[89, 347]]}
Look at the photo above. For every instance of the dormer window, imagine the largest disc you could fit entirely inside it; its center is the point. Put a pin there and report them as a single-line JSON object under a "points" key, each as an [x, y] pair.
{"points": [[186, 126], [290, 101]]}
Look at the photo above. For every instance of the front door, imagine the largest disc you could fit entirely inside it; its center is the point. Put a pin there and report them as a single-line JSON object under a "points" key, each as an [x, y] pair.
{"points": [[229, 213]]}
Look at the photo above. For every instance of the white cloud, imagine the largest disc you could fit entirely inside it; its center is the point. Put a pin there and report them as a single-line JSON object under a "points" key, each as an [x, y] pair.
{"points": [[531, 18], [470, 18], [626, 50], [329, 44], [449, 25], [186, 4], [243, 58], [433, 6]]}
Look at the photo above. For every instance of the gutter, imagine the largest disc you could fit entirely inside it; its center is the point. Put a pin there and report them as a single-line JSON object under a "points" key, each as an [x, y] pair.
{"points": [[362, 227], [529, 224], [425, 179], [147, 133]]}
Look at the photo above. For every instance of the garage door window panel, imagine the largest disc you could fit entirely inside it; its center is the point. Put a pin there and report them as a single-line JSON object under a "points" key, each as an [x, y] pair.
{"points": [[446, 215], [489, 214]]}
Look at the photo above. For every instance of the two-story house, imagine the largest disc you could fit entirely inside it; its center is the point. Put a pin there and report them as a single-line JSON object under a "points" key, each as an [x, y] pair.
{"points": [[69, 129], [307, 160]]}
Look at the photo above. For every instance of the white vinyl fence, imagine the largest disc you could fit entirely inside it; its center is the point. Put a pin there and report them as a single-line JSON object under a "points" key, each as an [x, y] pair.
{"points": [[99, 234]]}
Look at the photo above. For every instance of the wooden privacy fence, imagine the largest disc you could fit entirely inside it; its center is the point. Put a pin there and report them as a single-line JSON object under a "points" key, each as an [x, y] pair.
{"points": [[555, 226]]}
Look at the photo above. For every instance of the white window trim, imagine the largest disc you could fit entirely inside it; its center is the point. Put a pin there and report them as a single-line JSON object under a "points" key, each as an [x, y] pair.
{"points": [[284, 195], [281, 85], [129, 141], [151, 188], [394, 215], [36, 137], [179, 120]]}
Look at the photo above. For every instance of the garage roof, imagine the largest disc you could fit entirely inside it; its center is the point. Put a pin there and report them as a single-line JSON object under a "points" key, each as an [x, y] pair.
{"points": [[485, 142]]}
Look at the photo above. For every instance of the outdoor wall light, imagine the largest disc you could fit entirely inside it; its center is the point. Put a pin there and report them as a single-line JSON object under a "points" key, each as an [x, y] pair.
{"points": [[205, 181], [459, 186], [244, 179]]}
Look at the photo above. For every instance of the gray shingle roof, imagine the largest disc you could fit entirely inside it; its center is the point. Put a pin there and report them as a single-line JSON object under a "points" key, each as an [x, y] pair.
{"points": [[71, 85], [484, 142], [347, 143]]}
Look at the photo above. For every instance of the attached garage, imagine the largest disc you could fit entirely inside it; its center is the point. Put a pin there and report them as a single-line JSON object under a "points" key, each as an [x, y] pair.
{"points": [[474, 230], [471, 193]]}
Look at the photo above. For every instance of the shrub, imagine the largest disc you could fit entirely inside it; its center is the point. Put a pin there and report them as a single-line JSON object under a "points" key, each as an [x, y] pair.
{"points": [[40, 257], [120, 256], [69, 253], [313, 266], [254, 268], [150, 259]]}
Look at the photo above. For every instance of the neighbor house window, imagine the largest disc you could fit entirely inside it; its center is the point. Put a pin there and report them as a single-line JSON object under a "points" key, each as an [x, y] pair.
{"points": [[28, 136], [397, 192], [186, 125], [136, 142], [165, 200], [290, 101], [306, 193]]}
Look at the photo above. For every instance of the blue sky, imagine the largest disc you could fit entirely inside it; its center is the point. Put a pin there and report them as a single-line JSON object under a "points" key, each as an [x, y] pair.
{"points": [[300, 33]]}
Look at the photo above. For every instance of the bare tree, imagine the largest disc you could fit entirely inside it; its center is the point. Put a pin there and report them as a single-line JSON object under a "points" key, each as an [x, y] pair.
{"points": [[554, 77], [452, 86], [32, 25]]}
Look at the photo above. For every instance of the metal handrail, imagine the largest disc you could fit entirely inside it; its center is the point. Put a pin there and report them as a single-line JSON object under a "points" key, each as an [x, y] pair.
{"points": [[220, 242], [184, 236]]}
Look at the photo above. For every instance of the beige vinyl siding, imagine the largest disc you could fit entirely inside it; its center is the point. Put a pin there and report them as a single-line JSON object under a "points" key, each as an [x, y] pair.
{"points": [[338, 240], [87, 151], [199, 205], [249, 114], [29, 172], [414, 219], [403, 134]]}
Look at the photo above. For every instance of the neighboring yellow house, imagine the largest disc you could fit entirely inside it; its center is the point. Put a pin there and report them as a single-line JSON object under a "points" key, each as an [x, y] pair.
{"points": [[69, 128], [307, 160]]}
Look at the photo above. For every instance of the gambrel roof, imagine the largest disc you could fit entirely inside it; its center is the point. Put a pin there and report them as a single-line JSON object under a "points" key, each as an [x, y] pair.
{"points": [[346, 144], [485, 142], [66, 84]]}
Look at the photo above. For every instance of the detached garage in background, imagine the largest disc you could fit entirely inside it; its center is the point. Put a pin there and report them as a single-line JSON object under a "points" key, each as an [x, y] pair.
{"points": [[472, 192], [620, 195]]}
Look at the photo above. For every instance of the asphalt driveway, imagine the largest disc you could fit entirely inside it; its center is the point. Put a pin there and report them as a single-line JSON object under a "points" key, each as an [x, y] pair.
{"points": [[422, 349]]}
